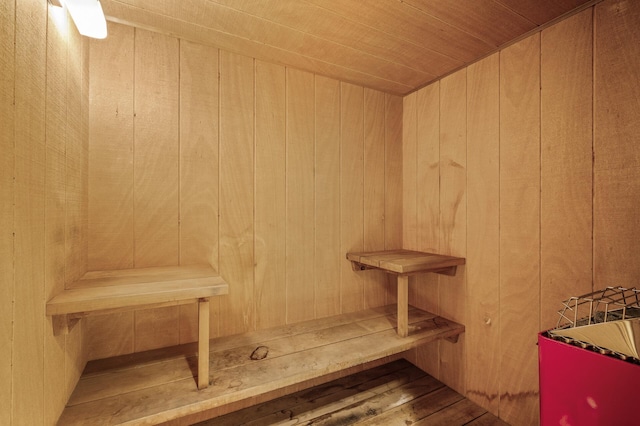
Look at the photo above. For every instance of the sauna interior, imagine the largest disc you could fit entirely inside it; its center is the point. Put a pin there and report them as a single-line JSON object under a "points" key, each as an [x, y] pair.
{"points": [[269, 139]]}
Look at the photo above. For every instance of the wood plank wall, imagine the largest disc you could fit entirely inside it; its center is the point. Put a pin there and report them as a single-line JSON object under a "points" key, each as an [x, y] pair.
{"points": [[43, 205], [548, 128], [268, 173]]}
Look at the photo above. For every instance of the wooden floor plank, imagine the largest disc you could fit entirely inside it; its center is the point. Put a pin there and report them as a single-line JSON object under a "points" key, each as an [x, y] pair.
{"points": [[297, 356]]}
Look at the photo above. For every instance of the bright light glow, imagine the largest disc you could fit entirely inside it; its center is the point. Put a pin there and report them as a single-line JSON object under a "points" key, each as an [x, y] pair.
{"points": [[59, 17], [88, 17]]}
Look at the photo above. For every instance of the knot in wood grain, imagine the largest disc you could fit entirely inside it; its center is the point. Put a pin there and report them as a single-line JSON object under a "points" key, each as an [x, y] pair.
{"points": [[259, 353]]}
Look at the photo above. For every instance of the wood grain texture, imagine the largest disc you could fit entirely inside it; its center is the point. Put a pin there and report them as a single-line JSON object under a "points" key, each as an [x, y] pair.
{"points": [[483, 232], [111, 152], [617, 158], [519, 228], [566, 164], [7, 196], [374, 221], [28, 320], [452, 290], [237, 312], [270, 195], [351, 192], [300, 154], [55, 205], [409, 172], [328, 253], [156, 135], [198, 190]]}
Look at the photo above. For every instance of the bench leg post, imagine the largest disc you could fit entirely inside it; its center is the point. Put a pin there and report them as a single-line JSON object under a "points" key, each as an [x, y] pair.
{"points": [[203, 343], [403, 305]]}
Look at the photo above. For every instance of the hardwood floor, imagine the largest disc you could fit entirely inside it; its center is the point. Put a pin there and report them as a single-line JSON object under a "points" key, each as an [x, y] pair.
{"points": [[397, 393]]}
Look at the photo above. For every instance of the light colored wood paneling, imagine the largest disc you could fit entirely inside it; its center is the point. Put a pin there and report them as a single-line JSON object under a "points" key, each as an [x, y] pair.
{"points": [[198, 170], [566, 164], [111, 150], [519, 228], [540, 11], [617, 153], [392, 184], [237, 311], [300, 195], [482, 323], [351, 192], [28, 320], [270, 195], [424, 288], [109, 335], [55, 206], [452, 290], [155, 168], [374, 125], [409, 173], [155, 328], [328, 254], [7, 196]]}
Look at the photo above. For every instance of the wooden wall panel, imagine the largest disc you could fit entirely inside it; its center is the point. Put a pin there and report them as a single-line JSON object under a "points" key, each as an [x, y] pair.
{"points": [[7, 195], [482, 323], [28, 319], [270, 195], [423, 289], [616, 149], [156, 174], [519, 228], [409, 172], [328, 254], [55, 207], [111, 150], [566, 164], [351, 192], [374, 107], [198, 191], [237, 310], [155, 169], [300, 195], [453, 219]]}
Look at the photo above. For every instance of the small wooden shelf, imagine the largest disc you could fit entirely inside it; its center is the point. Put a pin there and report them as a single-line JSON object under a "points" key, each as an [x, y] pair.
{"points": [[104, 292], [404, 263]]}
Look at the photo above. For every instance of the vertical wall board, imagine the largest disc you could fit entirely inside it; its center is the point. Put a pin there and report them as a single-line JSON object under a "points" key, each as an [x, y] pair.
{"points": [[566, 163], [111, 150], [409, 172], [300, 196], [328, 254], [270, 195], [374, 125], [424, 287], [198, 201], [155, 169], [7, 194], [28, 320], [519, 229], [452, 290], [482, 323], [237, 310], [54, 207], [616, 148], [392, 184], [351, 192], [156, 172], [111, 206]]}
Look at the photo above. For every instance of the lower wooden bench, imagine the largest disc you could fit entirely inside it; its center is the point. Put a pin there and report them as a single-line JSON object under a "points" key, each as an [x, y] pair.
{"points": [[157, 386], [105, 292]]}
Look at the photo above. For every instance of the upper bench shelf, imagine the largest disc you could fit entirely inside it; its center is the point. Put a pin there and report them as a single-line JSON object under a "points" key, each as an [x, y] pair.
{"points": [[405, 262]]}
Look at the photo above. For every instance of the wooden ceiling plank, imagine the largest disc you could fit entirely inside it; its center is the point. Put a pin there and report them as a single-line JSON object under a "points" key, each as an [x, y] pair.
{"points": [[328, 25], [410, 24], [130, 15], [231, 21], [541, 11], [487, 20]]}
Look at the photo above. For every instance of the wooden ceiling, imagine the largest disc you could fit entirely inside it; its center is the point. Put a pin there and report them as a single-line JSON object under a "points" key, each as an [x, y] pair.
{"points": [[395, 46]]}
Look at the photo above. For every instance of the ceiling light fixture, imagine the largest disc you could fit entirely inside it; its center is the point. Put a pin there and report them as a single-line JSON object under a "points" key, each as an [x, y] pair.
{"points": [[87, 15]]}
